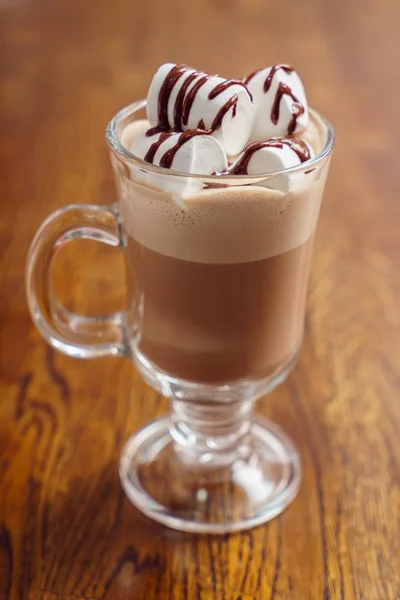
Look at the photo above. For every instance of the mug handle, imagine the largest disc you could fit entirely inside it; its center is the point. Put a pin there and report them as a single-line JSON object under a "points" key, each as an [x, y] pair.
{"points": [[75, 335]]}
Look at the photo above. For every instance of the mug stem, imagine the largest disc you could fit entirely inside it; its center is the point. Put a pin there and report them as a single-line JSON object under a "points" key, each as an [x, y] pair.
{"points": [[207, 433]]}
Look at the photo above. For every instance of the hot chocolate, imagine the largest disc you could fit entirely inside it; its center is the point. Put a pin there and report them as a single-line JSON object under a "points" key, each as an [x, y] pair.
{"points": [[217, 272], [218, 287]]}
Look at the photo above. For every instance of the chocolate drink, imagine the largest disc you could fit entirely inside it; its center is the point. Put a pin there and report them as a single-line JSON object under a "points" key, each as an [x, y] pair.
{"points": [[216, 323], [218, 287]]}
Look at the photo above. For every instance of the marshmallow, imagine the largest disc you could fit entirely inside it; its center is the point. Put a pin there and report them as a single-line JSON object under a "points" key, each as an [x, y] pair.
{"points": [[280, 100], [260, 158], [181, 98], [192, 152]]}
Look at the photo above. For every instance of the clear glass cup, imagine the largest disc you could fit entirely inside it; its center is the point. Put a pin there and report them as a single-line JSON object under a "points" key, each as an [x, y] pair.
{"points": [[217, 270]]}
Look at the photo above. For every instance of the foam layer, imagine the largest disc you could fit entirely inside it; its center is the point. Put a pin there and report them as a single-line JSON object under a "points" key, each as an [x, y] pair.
{"points": [[224, 225], [221, 226], [132, 131]]}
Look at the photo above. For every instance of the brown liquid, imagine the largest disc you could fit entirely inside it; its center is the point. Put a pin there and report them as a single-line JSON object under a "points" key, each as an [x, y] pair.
{"points": [[217, 323]]}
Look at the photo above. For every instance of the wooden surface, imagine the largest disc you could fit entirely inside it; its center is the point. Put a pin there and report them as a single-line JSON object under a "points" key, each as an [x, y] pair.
{"points": [[66, 529]]}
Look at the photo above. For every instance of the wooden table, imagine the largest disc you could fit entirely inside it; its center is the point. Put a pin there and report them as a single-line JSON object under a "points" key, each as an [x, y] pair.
{"points": [[66, 529]]}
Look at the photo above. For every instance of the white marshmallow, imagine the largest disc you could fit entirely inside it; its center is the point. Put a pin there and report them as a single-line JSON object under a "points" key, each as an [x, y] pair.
{"points": [[263, 126], [268, 159], [199, 155], [154, 90], [236, 124], [153, 93]]}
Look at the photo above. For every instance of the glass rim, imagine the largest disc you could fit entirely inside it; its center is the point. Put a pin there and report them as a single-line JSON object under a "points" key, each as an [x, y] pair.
{"points": [[116, 146]]}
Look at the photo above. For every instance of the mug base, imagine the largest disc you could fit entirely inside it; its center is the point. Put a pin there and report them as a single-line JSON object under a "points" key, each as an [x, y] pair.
{"points": [[170, 487]]}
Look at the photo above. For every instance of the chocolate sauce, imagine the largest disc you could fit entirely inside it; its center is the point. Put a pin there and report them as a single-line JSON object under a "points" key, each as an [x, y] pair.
{"points": [[232, 102], [165, 92], [178, 106], [271, 75], [151, 152], [184, 102], [283, 89], [297, 111], [296, 144], [185, 99], [224, 85], [298, 108], [253, 74], [168, 157], [190, 97], [153, 131]]}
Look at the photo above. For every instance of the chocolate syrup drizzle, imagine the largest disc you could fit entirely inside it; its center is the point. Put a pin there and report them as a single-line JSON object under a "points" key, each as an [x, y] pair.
{"points": [[180, 99], [232, 102], [224, 85], [190, 98], [165, 92], [184, 103], [295, 144], [271, 75], [151, 152], [182, 107], [283, 89], [185, 99], [168, 157], [297, 109]]}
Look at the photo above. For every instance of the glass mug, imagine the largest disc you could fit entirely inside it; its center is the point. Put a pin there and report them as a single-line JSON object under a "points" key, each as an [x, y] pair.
{"points": [[217, 270]]}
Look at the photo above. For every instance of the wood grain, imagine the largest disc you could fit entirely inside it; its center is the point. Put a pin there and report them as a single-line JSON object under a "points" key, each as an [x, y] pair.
{"points": [[66, 530]]}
